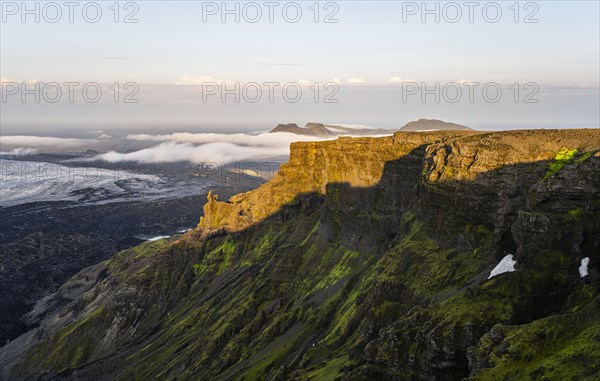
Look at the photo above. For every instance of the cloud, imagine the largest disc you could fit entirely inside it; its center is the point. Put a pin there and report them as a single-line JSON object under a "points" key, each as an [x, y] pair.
{"points": [[395, 79], [356, 126], [29, 82], [281, 139], [104, 136], [355, 80], [117, 58], [273, 64], [20, 152], [209, 147], [221, 152], [199, 80], [304, 83], [43, 141]]}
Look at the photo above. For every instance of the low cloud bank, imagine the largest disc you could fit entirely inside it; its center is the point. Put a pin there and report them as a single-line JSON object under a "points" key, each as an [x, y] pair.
{"points": [[22, 141], [200, 148], [21, 151], [170, 152], [196, 148], [262, 140]]}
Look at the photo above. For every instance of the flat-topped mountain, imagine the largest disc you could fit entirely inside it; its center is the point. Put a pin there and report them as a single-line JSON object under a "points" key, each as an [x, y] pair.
{"points": [[311, 129], [321, 130], [432, 125], [327, 131]]}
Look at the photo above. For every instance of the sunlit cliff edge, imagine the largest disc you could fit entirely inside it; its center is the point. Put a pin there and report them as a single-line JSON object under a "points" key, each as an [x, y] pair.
{"points": [[359, 162]]}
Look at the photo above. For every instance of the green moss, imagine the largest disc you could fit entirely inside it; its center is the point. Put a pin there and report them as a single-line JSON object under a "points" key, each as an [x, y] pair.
{"points": [[562, 158], [419, 265], [387, 310], [218, 259], [263, 247], [311, 233], [148, 248], [330, 370], [573, 215], [198, 269], [584, 157], [73, 345], [339, 271], [561, 347], [487, 306], [482, 229], [340, 323]]}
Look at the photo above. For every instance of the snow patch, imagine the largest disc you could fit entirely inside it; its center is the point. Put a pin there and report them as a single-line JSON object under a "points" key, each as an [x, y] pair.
{"points": [[507, 264], [583, 269], [157, 238]]}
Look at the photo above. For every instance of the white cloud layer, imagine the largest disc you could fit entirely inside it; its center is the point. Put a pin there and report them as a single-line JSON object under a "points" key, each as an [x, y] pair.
{"points": [[200, 79], [22, 141], [208, 147], [355, 80], [170, 152], [176, 147], [280, 139], [20, 151]]}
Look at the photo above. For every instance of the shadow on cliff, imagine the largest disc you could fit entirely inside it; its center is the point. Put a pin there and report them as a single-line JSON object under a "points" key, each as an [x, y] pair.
{"points": [[549, 225], [456, 212]]}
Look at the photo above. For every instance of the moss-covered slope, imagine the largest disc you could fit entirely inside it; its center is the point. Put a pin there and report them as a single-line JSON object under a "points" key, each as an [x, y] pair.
{"points": [[363, 259]]}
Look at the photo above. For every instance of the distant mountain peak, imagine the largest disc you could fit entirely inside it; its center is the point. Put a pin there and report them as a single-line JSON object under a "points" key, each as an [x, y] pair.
{"points": [[325, 131], [311, 129], [322, 130], [432, 125]]}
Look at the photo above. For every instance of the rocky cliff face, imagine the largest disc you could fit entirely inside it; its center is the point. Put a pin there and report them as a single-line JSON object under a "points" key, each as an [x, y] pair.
{"points": [[313, 167], [362, 259]]}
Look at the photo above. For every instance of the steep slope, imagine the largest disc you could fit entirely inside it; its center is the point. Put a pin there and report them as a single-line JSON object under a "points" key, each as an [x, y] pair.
{"points": [[362, 259]]}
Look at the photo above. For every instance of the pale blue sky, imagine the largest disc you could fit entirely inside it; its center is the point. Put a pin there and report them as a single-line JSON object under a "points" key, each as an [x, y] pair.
{"points": [[369, 42]]}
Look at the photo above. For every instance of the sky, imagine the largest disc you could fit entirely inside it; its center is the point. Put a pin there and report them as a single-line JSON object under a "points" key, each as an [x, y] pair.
{"points": [[367, 50]]}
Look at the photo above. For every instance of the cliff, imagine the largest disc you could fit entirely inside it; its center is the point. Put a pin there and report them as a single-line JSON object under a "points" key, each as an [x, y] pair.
{"points": [[357, 162], [364, 258]]}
